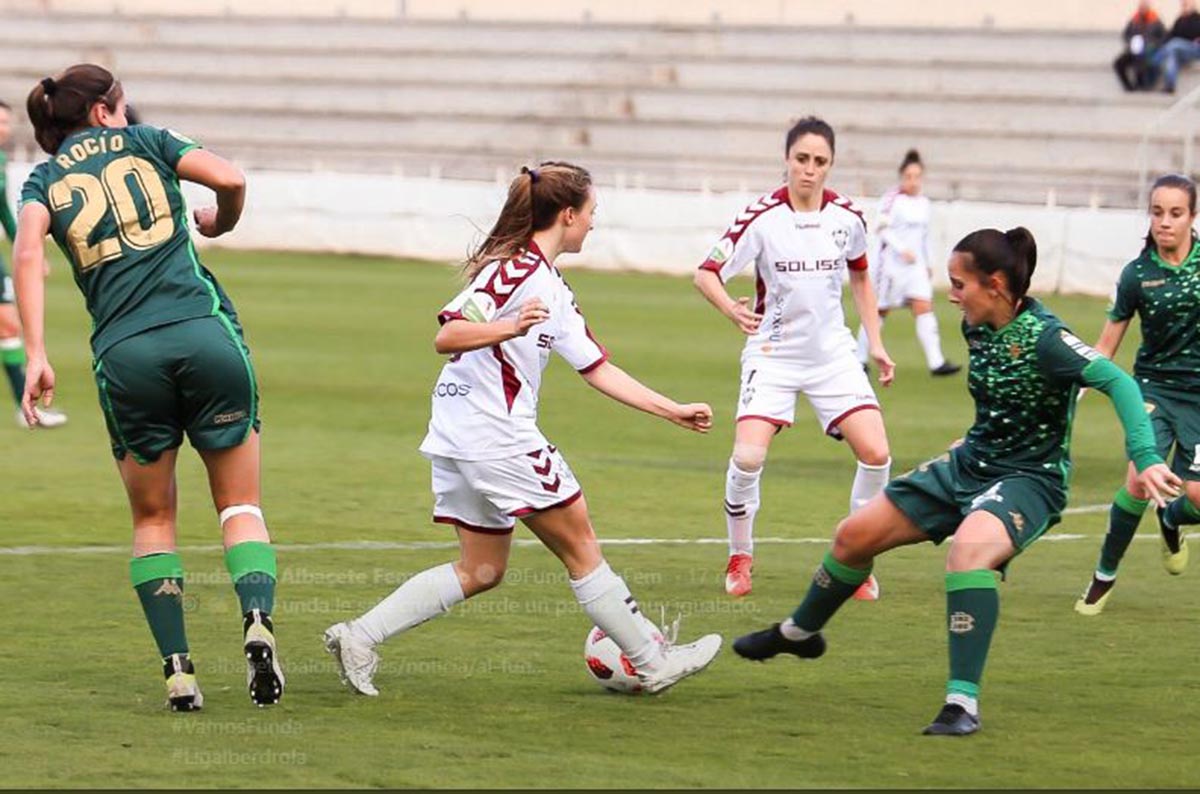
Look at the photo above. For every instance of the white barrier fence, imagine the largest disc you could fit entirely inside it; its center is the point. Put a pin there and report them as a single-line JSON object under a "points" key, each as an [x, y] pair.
{"points": [[1079, 250]]}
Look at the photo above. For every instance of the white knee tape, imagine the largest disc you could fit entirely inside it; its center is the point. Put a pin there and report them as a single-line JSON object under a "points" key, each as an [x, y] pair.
{"points": [[237, 510]]}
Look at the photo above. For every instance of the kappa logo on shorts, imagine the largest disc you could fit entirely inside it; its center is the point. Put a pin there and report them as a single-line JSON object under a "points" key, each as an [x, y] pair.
{"points": [[961, 623], [1018, 520], [990, 495], [229, 418], [1150, 407]]}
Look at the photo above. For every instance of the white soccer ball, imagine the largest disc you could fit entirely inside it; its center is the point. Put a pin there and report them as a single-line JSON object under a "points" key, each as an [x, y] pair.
{"points": [[609, 667]]}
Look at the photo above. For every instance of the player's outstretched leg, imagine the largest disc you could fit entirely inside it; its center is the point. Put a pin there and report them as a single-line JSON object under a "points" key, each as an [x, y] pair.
{"points": [[427, 595], [483, 559], [158, 581], [800, 635], [1179, 513], [606, 600], [1123, 518]]}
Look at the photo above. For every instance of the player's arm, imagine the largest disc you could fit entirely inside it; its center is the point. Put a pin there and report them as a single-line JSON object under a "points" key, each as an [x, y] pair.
{"points": [[6, 217], [612, 381], [1111, 336], [223, 178], [1122, 390], [868, 314], [467, 331], [29, 272], [736, 309]]}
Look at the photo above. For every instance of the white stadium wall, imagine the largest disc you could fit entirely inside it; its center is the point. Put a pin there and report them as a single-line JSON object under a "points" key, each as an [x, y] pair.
{"points": [[1080, 250], [1061, 15]]}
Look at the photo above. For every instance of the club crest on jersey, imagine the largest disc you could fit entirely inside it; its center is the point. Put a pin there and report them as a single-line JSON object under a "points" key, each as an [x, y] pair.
{"points": [[1015, 350], [841, 236]]}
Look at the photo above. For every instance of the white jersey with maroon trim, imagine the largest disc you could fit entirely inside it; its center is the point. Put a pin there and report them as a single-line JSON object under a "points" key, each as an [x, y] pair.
{"points": [[485, 401], [799, 260], [903, 226]]}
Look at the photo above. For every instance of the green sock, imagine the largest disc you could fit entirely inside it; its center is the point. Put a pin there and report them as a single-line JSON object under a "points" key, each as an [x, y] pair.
{"points": [[1181, 512], [1123, 519], [12, 356], [252, 568], [832, 585], [972, 609], [158, 580]]}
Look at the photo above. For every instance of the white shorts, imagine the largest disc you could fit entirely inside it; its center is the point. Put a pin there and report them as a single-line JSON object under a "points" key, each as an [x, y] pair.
{"points": [[769, 390], [899, 283], [490, 495]]}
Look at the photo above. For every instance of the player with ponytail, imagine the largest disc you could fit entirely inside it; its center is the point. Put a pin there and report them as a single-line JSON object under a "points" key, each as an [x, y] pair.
{"points": [[996, 492]]}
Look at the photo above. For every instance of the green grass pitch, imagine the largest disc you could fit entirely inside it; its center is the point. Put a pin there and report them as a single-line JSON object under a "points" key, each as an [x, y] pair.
{"points": [[496, 694]]}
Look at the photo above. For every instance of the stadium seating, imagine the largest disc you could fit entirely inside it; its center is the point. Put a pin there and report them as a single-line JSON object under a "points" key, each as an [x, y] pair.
{"points": [[1003, 116]]}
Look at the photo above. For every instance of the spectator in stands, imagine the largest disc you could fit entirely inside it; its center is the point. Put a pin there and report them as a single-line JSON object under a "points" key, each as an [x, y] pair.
{"points": [[1182, 47], [1143, 34]]}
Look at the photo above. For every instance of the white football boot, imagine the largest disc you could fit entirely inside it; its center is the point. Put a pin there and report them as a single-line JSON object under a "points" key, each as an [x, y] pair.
{"points": [[677, 662], [47, 418], [356, 660]]}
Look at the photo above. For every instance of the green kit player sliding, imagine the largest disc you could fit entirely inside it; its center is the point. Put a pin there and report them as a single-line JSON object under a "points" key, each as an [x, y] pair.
{"points": [[999, 490], [168, 352], [12, 349], [1162, 287]]}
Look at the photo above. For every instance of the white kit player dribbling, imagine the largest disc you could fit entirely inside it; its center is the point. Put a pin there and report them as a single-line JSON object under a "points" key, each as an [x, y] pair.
{"points": [[801, 241], [491, 464]]}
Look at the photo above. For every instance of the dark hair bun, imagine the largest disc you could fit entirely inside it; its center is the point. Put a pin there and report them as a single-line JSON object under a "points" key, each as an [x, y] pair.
{"points": [[911, 157]]}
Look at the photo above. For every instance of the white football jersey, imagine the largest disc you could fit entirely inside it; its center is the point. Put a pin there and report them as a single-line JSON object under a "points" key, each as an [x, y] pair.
{"points": [[903, 226], [799, 259], [485, 401]]}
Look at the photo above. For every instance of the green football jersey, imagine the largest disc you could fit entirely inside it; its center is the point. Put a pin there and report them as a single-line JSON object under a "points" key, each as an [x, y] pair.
{"points": [[1025, 378], [118, 214], [6, 215], [1167, 301]]}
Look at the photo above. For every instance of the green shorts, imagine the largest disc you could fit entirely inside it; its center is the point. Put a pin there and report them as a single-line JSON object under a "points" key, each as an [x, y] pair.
{"points": [[1175, 417], [939, 494], [193, 376]]}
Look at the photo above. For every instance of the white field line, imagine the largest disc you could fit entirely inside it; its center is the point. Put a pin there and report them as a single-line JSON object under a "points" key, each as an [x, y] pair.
{"points": [[377, 545]]}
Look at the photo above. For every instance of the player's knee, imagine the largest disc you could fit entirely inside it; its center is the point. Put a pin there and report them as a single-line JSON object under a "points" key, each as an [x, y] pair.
{"points": [[874, 454], [853, 541], [749, 457], [1192, 491], [479, 573]]}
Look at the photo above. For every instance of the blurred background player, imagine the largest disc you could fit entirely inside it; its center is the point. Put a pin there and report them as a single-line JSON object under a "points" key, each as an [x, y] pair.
{"points": [[800, 239], [168, 349], [1162, 287], [491, 463], [12, 349], [996, 492], [904, 265]]}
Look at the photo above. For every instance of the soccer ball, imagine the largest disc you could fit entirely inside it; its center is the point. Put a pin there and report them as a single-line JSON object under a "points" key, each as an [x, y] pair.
{"points": [[609, 667]]}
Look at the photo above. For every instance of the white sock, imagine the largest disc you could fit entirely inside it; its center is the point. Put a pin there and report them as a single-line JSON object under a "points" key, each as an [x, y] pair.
{"points": [[791, 631], [931, 343], [864, 346], [741, 503], [430, 593], [868, 481], [966, 701], [607, 601]]}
